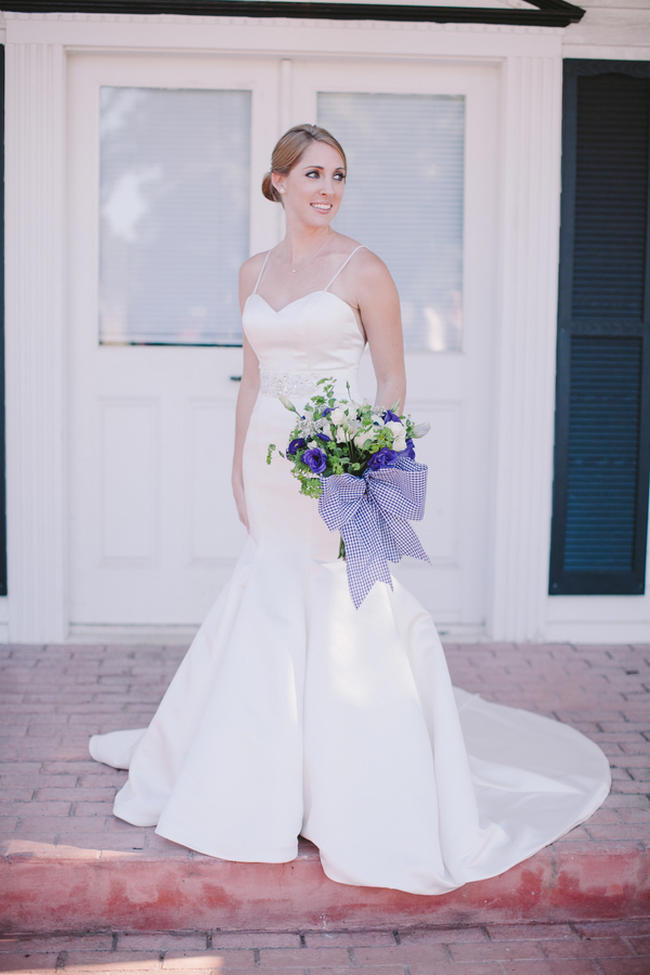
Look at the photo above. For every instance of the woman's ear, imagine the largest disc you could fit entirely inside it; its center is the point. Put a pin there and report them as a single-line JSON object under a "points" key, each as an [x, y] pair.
{"points": [[278, 181]]}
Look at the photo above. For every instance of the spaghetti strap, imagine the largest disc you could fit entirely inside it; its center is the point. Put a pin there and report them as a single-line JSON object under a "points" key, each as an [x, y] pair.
{"points": [[344, 264], [262, 269]]}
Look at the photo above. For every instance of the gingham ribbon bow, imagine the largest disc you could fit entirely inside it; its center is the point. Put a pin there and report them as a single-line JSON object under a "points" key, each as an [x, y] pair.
{"points": [[372, 514]]}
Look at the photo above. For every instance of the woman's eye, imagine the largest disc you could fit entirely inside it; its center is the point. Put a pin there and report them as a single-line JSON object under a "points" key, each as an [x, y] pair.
{"points": [[339, 176], [312, 173]]}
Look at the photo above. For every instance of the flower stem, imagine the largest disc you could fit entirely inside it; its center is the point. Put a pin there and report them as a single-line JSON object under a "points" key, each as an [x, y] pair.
{"points": [[341, 549]]}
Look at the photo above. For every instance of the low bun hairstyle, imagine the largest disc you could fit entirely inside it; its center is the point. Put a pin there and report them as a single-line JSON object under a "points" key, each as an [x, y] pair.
{"points": [[269, 190], [288, 150]]}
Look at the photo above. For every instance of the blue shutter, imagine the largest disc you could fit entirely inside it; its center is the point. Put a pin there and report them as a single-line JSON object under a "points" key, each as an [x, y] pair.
{"points": [[3, 504], [602, 429]]}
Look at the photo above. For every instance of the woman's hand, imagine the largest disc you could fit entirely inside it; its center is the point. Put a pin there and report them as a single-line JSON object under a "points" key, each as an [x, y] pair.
{"points": [[240, 499]]}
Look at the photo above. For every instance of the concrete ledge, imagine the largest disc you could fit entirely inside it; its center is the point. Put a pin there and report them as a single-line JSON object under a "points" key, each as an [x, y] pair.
{"points": [[73, 892]]}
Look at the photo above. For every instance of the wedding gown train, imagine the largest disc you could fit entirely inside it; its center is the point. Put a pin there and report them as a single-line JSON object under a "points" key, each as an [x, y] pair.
{"points": [[295, 713]]}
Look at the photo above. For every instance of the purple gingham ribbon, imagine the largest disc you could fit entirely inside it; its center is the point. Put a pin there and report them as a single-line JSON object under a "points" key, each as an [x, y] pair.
{"points": [[372, 513]]}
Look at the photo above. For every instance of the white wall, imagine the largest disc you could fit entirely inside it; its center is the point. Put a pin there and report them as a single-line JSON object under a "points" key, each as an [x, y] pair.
{"points": [[530, 61], [610, 29]]}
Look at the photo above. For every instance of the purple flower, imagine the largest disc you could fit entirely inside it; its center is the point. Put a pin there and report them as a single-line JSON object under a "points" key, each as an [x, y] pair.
{"points": [[384, 457], [323, 436], [295, 445], [389, 415], [315, 459], [326, 411], [409, 450]]}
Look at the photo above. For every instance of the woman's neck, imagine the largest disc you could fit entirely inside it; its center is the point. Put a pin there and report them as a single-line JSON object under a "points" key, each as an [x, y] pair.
{"points": [[302, 244]]}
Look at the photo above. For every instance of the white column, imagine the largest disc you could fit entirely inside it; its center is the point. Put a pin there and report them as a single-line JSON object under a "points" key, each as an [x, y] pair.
{"points": [[532, 112], [35, 333]]}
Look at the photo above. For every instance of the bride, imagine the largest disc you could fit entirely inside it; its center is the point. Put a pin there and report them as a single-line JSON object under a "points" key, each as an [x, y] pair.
{"points": [[293, 713]]}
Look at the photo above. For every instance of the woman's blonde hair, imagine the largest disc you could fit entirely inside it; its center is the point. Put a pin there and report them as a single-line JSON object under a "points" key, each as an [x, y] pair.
{"points": [[288, 150]]}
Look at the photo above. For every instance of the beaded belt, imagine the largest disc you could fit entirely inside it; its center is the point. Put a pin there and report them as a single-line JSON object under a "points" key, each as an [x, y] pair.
{"points": [[291, 383]]}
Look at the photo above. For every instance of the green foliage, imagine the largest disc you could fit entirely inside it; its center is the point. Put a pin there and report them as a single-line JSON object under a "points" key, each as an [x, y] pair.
{"points": [[354, 431]]}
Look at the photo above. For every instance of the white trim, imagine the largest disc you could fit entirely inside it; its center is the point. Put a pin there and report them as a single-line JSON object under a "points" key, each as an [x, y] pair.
{"points": [[607, 52], [600, 618], [530, 214], [288, 37], [86, 633], [35, 338]]}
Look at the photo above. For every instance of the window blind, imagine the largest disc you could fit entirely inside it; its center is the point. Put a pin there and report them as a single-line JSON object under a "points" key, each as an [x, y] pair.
{"points": [[404, 199], [174, 214]]}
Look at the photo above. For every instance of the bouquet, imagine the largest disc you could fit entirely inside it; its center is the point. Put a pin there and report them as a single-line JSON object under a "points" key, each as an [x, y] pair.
{"points": [[359, 462]]}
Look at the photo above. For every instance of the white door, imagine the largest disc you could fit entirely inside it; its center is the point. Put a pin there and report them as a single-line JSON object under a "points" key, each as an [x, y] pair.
{"points": [[153, 526], [422, 141], [162, 210]]}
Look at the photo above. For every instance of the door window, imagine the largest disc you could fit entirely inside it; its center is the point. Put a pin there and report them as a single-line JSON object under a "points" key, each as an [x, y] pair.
{"points": [[404, 199], [174, 214]]}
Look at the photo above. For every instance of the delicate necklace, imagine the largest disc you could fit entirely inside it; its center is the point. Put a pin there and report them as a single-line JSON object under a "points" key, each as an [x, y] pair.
{"points": [[312, 257]]}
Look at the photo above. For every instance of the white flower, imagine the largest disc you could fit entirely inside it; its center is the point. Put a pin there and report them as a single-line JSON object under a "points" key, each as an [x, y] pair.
{"points": [[420, 429], [399, 443], [337, 416], [395, 428], [360, 439], [341, 435]]}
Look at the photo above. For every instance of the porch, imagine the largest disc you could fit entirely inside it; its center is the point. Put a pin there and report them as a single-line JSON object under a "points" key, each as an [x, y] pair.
{"points": [[69, 865]]}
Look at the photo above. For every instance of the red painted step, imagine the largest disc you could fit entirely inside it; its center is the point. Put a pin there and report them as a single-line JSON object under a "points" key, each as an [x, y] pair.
{"points": [[70, 865], [74, 890]]}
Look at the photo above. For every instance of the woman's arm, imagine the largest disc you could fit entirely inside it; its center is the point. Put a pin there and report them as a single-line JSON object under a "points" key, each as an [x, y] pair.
{"points": [[380, 314], [247, 394]]}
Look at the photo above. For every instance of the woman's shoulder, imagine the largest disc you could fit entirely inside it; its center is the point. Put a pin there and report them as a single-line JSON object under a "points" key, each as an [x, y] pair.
{"points": [[365, 260], [252, 265], [366, 265], [249, 273]]}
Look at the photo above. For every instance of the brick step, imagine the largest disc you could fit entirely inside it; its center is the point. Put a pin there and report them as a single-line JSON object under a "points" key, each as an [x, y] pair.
{"points": [[68, 864], [65, 888]]}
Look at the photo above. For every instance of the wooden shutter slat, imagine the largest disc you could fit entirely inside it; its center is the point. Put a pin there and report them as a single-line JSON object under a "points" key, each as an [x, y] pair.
{"points": [[602, 446]]}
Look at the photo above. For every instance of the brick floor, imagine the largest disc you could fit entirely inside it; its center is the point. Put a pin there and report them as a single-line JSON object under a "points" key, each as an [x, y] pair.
{"points": [[55, 803], [616, 948]]}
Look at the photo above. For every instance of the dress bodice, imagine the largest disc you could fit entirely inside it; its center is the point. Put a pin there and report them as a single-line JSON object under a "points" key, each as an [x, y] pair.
{"points": [[317, 333], [313, 336]]}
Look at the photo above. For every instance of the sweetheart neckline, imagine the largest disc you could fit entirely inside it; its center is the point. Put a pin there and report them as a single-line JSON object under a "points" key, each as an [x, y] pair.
{"points": [[309, 294]]}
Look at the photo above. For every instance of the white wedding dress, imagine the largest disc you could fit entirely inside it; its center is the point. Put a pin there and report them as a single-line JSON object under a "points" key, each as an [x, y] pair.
{"points": [[295, 713]]}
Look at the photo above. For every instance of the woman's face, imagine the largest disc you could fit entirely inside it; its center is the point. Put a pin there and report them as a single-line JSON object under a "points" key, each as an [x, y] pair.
{"points": [[312, 191]]}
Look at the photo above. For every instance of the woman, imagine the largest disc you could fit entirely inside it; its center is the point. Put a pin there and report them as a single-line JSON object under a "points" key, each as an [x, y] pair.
{"points": [[293, 712]]}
